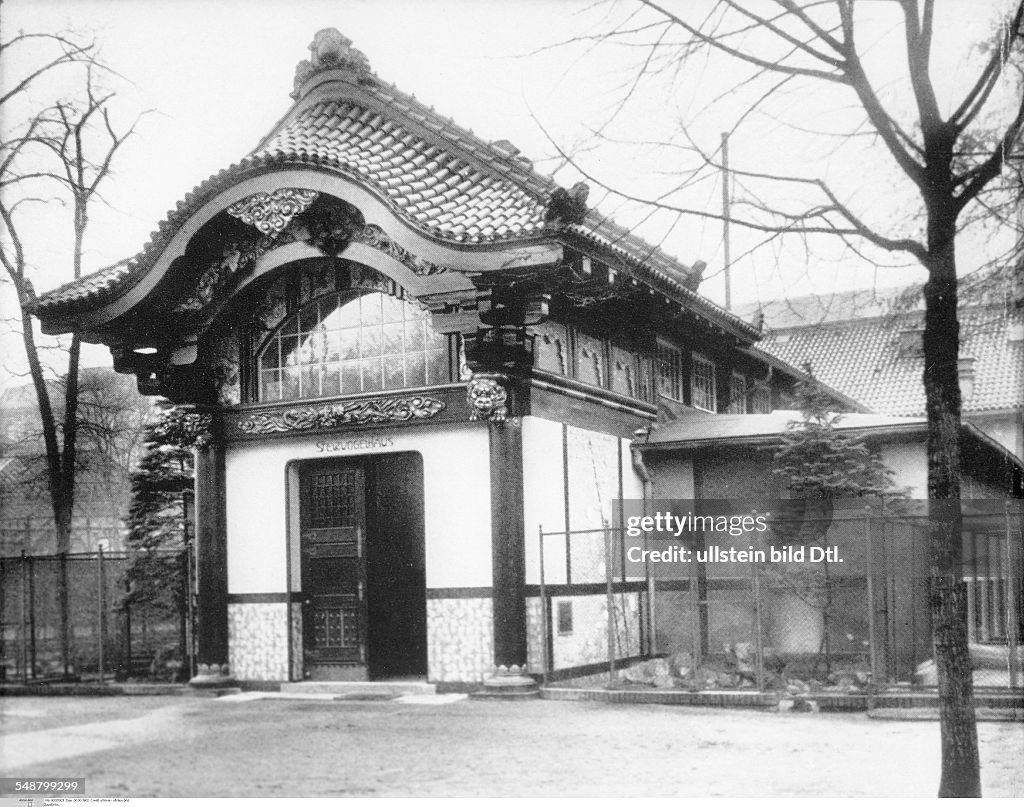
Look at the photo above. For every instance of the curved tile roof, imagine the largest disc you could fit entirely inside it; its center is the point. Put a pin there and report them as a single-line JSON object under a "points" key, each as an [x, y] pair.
{"points": [[440, 178], [864, 359], [447, 196]]}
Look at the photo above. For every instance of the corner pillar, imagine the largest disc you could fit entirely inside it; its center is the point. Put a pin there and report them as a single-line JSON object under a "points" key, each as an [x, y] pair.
{"points": [[488, 395], [508, 548], [211, 566]]}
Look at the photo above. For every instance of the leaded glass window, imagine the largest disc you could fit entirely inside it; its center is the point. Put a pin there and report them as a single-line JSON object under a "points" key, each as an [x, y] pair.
{"points": [[337, 345]]}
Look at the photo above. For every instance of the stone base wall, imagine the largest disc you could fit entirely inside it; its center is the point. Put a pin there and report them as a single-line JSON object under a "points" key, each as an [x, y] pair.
{"points": [[534, 635], [460, 639], [298, 670], [258, 641]]}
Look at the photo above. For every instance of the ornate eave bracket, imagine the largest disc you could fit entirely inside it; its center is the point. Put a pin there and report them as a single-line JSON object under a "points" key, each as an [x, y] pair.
{"points": [[271, 213]]}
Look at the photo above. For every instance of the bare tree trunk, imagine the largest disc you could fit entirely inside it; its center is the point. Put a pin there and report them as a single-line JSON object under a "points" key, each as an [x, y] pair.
{"points": [[948, 592]]}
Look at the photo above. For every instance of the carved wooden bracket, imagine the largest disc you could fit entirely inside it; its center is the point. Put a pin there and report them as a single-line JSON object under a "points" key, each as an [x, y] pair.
{"points": [[271, 212], [487, 397]]}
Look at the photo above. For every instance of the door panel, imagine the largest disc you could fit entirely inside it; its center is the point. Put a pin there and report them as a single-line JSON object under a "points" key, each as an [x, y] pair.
{"points": [[396, 567], [332, 518]]}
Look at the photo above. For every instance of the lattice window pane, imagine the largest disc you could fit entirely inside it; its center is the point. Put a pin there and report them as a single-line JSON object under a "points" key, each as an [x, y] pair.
{"points": [[335, 628], [702, 384], [737, 394], [334, 498], [668, 366], [348, 346]]}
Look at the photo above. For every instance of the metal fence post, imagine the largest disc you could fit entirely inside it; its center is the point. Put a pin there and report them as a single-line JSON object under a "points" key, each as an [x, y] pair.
{"points": [[544, 624], [100, 608], [869, 570], [611, 604], [1012, 604], [33, 658], [64, 597], [652, 635], [758, 640], [23, 654], [127, 627]]}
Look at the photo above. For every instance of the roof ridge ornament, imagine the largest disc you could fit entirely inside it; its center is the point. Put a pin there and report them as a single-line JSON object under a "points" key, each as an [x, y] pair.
{"points": [[330, 50]]}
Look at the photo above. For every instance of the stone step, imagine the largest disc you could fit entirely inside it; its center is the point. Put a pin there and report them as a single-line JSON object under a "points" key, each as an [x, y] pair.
{"points": [[356, 690]]}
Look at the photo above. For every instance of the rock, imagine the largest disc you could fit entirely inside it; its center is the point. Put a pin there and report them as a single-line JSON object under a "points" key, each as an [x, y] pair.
{"points": [[805, 705], [681, 663], [797, 687], [772, 661], [655, 673], [774, 681], [727, 680]]}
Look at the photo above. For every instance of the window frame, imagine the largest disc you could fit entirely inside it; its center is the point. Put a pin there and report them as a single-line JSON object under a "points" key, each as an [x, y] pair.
{"points": [[697, 360], [738, 398], [760, 388], [668, 357], [290, 328]]}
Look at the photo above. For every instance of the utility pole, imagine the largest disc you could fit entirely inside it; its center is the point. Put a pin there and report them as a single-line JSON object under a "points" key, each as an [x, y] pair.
{"points": [[725, 219]]}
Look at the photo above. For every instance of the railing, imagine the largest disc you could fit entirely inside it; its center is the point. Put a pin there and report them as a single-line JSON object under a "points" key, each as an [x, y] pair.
{"points": [[724, 622], [76, 617]]}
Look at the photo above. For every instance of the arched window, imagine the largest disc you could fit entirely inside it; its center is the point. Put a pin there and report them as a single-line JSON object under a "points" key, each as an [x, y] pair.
{"points": [[338, 345]]}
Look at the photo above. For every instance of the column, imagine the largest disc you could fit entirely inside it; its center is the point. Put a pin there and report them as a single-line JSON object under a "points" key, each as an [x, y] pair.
{"points": [[212, 567]]}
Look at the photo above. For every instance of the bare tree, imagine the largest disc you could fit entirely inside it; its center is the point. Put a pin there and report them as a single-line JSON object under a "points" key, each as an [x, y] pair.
{"points": [[62, 152], [947, 155]]}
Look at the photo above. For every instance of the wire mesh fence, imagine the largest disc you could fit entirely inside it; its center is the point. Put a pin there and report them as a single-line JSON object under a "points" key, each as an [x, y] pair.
{"points": [[76, 617], [835, 599]]}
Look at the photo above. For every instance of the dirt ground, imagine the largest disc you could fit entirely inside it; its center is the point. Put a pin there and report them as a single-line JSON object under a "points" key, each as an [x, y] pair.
{"points": [[244, 746]]}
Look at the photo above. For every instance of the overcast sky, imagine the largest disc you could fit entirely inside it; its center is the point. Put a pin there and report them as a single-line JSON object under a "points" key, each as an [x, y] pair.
{"points": [[217, 76]]}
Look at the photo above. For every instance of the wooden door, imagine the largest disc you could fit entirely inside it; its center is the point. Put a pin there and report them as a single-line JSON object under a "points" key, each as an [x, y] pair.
{"points": [[332, 519]]}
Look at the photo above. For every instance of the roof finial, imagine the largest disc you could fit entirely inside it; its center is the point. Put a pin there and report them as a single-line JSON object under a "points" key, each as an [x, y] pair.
{"points": [[330, 50]]}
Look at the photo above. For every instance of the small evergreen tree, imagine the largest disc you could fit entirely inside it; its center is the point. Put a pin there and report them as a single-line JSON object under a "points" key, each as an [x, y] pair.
{"points": [[818, 463], [158, 584]]}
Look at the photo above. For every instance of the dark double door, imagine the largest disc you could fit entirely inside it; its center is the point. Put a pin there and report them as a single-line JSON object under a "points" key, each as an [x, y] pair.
{"points": [[363, 568]]}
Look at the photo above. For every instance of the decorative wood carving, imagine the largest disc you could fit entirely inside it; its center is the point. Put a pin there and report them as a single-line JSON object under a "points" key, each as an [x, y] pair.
{"points": [[271, 212], [224, 363], [186, 428], [368, 410], [331, 225], [272, 306], [374, 236], [235, 257], [487, 398]]}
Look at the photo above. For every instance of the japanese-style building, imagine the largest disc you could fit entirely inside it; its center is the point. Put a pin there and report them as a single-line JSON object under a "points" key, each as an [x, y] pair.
{"points": [[407, 351]]}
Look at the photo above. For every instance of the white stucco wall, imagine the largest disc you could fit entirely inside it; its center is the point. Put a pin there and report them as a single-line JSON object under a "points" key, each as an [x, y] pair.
{"points": [[593, 486], [543, 497], [910, 464], [457, 511]]}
